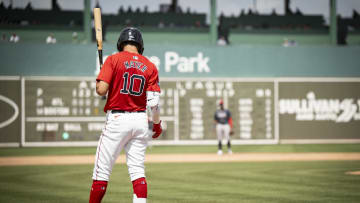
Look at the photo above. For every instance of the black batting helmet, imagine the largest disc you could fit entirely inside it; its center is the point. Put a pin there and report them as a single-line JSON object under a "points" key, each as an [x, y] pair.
{"points": [[130, 35]]}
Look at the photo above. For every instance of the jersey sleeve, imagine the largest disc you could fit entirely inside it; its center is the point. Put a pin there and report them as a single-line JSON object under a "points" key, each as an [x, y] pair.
{"points": [[106, 71], [230, 121], [154, 84], [228, 114]]}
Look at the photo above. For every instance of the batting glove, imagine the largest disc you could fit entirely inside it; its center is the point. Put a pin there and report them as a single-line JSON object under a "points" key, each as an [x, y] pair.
{"points": [[157, 130]]}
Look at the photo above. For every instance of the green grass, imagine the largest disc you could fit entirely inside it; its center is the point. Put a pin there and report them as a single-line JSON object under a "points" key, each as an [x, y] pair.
{"points": [[185, 149], [278, 182]]}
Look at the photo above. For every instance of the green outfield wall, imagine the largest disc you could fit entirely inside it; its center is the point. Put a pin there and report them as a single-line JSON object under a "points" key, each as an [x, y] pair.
{"points": [[66, 111], [176, 60], [10, 108], [302, 94]]}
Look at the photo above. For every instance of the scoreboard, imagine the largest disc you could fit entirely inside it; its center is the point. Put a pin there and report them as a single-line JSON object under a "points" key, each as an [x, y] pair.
{"points": [[68, 109]]}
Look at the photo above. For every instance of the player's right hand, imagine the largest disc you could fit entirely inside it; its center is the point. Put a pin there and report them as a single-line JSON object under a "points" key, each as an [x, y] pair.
{"points": [[157, 130]]}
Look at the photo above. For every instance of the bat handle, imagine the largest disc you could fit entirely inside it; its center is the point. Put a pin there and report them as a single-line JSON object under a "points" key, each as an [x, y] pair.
{"points": [[100, 58]]}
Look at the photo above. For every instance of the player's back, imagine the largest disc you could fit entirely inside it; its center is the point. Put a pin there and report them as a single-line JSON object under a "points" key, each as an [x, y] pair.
{"points": [[132, 75]]}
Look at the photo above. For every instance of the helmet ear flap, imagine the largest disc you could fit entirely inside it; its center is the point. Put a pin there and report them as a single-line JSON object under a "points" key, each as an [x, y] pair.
{"points": [[118, 46]]}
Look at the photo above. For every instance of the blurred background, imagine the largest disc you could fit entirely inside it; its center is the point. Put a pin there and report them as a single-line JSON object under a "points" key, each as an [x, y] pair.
{"points": [[239, 22], [288, 70]]}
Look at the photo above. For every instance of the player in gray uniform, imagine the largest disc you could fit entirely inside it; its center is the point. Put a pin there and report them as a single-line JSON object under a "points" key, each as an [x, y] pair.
{"points": [[224, 126]]}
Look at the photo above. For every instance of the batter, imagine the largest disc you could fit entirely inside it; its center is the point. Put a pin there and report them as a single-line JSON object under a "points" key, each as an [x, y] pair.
{"points": [[131, 83]]}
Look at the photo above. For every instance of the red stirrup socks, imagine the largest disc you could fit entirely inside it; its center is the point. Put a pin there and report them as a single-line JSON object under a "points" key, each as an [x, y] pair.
{"points": [[98, 190], [140, 187]]}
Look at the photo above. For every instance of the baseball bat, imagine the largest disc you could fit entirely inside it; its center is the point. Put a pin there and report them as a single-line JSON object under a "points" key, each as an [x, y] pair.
{"points": [[98, 33]]}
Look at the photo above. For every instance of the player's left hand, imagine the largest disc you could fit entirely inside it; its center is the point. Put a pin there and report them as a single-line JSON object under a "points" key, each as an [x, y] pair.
{"points": [[157, 130], [231, 133]]}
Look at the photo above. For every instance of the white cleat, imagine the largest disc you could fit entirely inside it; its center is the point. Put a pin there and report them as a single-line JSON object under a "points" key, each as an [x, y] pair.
{"points": [[138, 200], [230, 152], [220, 152]]}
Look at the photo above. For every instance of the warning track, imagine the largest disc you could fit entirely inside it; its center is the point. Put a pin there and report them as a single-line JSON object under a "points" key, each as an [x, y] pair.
{"points": [[183, 158]]}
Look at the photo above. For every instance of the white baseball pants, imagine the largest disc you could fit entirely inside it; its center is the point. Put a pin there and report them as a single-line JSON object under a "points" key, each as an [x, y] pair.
{"points": [[128, 131], [223, 131]]}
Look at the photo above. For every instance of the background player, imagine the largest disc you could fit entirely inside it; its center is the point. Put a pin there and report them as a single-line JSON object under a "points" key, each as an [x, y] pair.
{"points": [[131, 83], [224, 127]]}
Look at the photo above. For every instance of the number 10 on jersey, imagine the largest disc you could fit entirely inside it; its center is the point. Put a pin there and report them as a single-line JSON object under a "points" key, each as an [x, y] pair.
{"points": [[130, 89]]}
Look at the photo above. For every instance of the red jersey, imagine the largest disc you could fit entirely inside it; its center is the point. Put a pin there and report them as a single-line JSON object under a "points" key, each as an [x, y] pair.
{"points": [[129, 76]]}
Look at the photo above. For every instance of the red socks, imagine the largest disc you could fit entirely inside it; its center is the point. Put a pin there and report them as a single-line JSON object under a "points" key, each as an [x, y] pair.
{"points": [[140, 187], [98, 190]]}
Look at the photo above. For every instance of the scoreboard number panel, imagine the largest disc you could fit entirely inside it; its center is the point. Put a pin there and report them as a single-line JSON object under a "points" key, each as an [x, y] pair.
{"points": [[62, 110], [250, 103], [69, 110]]}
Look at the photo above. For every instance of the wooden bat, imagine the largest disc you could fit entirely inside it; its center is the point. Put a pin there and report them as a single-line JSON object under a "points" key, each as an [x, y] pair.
{"points": [[98, 33]]}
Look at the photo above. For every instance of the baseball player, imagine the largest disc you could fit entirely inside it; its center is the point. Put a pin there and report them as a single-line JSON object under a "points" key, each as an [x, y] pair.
{"points": [[224, 127], [131, 83]]}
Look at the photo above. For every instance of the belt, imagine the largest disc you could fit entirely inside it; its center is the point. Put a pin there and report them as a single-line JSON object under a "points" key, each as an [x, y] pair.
{"points": [[121, 111]]}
